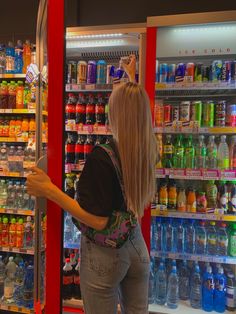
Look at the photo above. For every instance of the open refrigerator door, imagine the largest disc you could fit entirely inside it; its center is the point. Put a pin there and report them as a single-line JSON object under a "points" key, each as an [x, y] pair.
{"points": [[94, 57], [193, 218]]}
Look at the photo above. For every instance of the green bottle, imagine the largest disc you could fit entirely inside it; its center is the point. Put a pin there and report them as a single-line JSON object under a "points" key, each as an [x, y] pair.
{"points": [[167, 159], [178, 159], [200, 152], [189, 153], [232, 240]]}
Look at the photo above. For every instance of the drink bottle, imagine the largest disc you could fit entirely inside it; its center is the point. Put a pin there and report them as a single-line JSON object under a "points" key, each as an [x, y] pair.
{"points": [[189, 153], [173, 289], [184, 284], [211, 194], [231, 292], [90, 110], [70, 150], [28, 291], [232, 240], [28, 233], [211, 153], [178, 158], [151, 287], [80, 110], [201, 238], [232, 152], [189, 237], [161, 283], [196, 289], [167, 157], [200, 153], [222, 239], [12, 233], [211, 239], [100, 110], [2, 276], [76, 290], [223, 154], [19, 284], [208, 290], [180, 236], [220, 291]]}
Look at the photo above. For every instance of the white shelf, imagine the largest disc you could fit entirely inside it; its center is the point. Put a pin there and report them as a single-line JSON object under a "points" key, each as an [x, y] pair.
{"points": [[89, 87], [193, 130], [23, 212], [16, 250], [183, 308], [15, 308]]}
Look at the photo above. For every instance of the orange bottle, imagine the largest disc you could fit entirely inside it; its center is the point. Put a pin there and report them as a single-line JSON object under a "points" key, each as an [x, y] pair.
{"points": [[25, 125], [163, 195], [12, 132], [18, 126], [0, 231], [5, 232], [181, 201], [191, 201], [172, 197], [19, 233], [32, 125], [20, 95], [12, 233]]}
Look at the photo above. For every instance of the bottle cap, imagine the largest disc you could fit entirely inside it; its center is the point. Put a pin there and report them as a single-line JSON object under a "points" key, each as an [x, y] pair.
{"points": [[67, 260], [11, 259], [5, 220], [212, 223], [13, 220]]}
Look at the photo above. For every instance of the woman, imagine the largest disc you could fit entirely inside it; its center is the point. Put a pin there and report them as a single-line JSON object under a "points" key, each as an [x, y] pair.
{"points": [[109, 276]]}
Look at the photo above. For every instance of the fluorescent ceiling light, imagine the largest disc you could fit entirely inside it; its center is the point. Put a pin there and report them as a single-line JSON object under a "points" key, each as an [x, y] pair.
{"points": [[93, 36], [94, 43], [205, 28]]}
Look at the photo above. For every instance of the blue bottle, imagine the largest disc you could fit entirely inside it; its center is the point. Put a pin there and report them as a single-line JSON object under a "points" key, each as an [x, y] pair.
{"points": [[184, 275], [19, 284], [159, 237], [180, 236], [190, 238], [196, 289], [153, 233], [220, 291], [169, 236], [160, 284], [19, 57], [208, 290], [173, 289], [28, 290]]}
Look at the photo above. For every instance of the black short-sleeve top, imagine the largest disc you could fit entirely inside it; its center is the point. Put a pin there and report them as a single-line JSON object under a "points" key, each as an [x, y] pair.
{"points": [[98, 190]]}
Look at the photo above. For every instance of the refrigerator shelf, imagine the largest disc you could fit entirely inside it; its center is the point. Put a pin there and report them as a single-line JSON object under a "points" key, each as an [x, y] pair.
{"points": [[196, 174], [207, 216], [196, 257], [89, 88], [15, 308], [14, 139], [23, 212], [13, 174], [16, 250], [12, 76], [71, 126], [183, 308], [192, 130]]}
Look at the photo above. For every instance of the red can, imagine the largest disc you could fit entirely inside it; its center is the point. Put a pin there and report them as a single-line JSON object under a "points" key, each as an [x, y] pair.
{"points": [[190, 71], [167, 113]]}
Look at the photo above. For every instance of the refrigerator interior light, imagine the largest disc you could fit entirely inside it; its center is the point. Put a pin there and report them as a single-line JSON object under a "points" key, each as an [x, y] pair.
{"points": [[95, 43], [204, 28], [93, 36]]}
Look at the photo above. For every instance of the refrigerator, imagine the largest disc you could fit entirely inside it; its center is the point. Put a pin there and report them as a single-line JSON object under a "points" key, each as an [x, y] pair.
{"points": [[88, 47], [190, 79], [23, 144]]}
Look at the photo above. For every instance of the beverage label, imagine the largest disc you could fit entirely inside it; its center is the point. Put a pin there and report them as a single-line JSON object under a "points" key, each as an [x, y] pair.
{"points": [[212, 239], [76, 280], [8, 292], [223, 241], [80, 108], [67, 280], [231, 296], [163, 201], [168, 149], [232, 248]]}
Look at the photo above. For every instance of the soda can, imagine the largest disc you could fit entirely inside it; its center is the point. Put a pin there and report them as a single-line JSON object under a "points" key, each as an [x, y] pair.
{"points": [[208, 114], [101, 72], [81, 72], [220, 113], [180, 72], [217, 70], [175, 113], [110, 73], [226, 71], [171, 73], [92, 72], [198, 73], [231, 115], [206, 73], [167, 113], [233, 70], [184, 111], [163, 73], [69, 73], [72, 72], [196, 111], [190, 71]]}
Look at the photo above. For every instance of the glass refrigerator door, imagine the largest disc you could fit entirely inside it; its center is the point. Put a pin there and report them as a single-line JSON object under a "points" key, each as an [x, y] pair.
{"points": [[93, 64], [193, 218]]}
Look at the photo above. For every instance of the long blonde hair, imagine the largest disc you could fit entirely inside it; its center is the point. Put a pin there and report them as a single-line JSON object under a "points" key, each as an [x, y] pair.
{"points": [[131, 125]]}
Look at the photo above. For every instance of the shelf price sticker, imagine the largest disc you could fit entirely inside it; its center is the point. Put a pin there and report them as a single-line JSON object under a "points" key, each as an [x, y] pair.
{"points": [[4, 307], [193, 174], [90, 86], [160, 173], [228, 174], [210, 174], [179, 173], [14, 308]]}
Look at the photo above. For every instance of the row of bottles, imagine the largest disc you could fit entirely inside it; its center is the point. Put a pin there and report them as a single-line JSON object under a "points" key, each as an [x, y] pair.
{"points": [[185, 152], [17, 127], [193, 237], [200, 197], [71, 233], [206, 287]]}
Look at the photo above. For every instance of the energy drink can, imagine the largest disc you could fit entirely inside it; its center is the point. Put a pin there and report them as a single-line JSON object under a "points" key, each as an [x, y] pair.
{"points": [[163, 73], [216, 70], [184, 111], [72, 72], [81, 72], [110, 73], [231, 115], [226, 71], [220, 113], [208, 114], [171, 73], [167, 113], [233, 70], [101, 72], [180, 72], [190, 71], [92, 72], [175, 113], [205, 73], [196, 112], [198, 74]]}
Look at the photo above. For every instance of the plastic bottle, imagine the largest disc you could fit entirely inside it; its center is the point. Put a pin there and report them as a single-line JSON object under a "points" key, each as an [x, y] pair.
{"points": [[168, 149], [151, 286], [10, 58], [208, 290], [222, 239], [68, 227], [20, 95], [232, 240], [223, 196], [19, 284], [200, 153], [178, 158], [163, 195], [189, 237], [2, 277], [169, 235], [211, 155], [201, 202], [11, 268], [232, 201], [26, 198], [12, 95], [18, 196], [189, 153], [173, 289], [231, 292], [67, 280], [19, 233], [220, 291], [3, 95], [232, 152], [196, 289], [2, 59], [12, 233], [76, 288], [19, 57], [184, 275], [223, 154], [5, 232], [28, 291], [201, 238], [172, 197], [211, 239], [3, 194], [28, 233], [161, 283], [211, 194], [181, 200], [26, 55], [180, 236]]}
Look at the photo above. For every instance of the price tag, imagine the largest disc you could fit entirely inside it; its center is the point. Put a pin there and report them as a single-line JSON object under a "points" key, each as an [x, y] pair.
{"points": [[4, 307], [8, 110], [160, 173], [90, 128], [14, 308], [76, 87], [68, 87], [193, 174], [179, 173], [2, 111], [90, 86], [210, 174], [161, 85], [228, 174]]}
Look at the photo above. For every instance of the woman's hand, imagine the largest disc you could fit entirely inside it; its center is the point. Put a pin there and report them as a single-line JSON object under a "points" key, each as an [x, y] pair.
{"points": [[38, 183], [130, 68]]}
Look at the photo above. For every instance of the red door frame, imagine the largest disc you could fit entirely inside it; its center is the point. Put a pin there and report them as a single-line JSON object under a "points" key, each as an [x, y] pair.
{"points": [[55, 149]]}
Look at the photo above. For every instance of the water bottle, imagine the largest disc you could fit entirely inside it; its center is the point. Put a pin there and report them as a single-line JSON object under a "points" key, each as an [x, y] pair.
{"points": [[173, 289], [201, 238], [3, 194], [231, 292], [211, 239], [223, 154], [220, 291], [159, 238], [189, 237], [19, 159], [151, 286], [28, 290], [28, 233], [68, 228], [2, 277], [11, 268], [10, 195], [169, 231], [196, 289], [222, 240], [160, 284], [153, 234], [26, 198], [19, 196], [180, 236], [208, 290], [184, 275], [11, 159], [9, 281], [170, 265], [19, 57], [19, 284]]}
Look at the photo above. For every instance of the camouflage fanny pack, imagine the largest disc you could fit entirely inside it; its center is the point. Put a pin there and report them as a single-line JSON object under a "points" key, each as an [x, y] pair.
{"points": [[119, 225]]}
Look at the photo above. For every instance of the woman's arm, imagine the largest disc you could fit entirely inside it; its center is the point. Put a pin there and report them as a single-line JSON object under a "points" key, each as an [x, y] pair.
{"points": [[40, 185]]}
